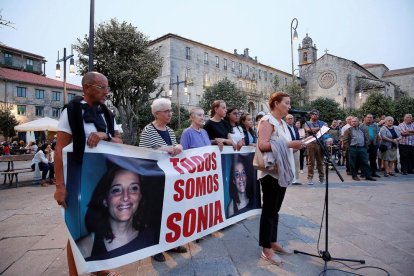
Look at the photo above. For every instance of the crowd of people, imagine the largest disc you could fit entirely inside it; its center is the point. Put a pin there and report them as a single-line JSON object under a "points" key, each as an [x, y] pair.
{"points": [[370, 147]]}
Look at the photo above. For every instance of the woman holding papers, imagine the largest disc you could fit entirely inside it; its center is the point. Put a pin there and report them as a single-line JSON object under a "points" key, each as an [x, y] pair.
{"points": [[274, 137]]}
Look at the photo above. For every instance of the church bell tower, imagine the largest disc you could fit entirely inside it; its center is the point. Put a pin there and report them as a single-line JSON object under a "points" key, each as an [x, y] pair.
{"points": [[307, 52]]}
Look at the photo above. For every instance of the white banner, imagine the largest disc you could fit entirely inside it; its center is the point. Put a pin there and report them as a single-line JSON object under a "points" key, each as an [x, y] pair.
{"points": [[127, 203]]}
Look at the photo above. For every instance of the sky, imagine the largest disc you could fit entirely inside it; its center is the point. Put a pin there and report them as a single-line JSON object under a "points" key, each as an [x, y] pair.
{"points": [[365, 31]]}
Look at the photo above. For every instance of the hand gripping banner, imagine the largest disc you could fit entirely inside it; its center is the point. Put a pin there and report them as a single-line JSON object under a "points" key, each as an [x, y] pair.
{"points": [[127, 203]]}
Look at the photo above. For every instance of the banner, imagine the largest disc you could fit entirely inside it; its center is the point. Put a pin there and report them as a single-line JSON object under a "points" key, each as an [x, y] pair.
{"points": [[127, 203]]}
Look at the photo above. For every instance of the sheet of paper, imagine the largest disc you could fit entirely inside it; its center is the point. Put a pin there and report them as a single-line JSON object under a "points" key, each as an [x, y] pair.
{"points": [[319, 134]]}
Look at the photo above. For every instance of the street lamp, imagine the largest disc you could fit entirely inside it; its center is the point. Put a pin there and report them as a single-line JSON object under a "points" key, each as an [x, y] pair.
{"points": [[177, 83], [341, 93], [71, 69], [293, 36]]}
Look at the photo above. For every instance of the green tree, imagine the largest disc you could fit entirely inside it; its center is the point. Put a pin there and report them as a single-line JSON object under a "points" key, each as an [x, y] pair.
{"points": [[296, 94], [403, 106], [122, 53], [224, 90], [328, 109], [377, 104], [7, 123]]}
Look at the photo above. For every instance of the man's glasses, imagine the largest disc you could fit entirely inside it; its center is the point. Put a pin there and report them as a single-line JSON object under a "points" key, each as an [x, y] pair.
{"points": [[99, 87]]}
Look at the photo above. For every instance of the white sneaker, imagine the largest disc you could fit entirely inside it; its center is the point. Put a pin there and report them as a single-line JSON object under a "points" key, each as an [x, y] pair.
{"points": [[301, 171], [310, 182], [322, 181]]}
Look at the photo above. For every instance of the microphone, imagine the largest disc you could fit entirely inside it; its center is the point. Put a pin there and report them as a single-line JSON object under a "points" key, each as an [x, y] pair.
{"points": [[296, 111]]}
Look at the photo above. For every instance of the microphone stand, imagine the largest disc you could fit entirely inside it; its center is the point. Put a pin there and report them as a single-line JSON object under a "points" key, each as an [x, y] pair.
{"points": [[325, 255]]}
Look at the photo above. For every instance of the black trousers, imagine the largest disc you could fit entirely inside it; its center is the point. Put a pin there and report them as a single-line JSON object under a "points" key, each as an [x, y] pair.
{"points": [[301, 158], [372, 155], [406, 158], [273, 196]]}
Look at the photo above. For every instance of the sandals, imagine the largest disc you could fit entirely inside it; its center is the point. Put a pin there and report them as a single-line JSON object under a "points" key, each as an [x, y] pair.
{"points": [[386, 175], [284, 251], [274, 260], [392, 174]]}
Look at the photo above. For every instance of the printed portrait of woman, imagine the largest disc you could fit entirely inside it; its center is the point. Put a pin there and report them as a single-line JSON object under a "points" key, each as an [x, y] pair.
{"points": [[116, 217], [241, 187]]}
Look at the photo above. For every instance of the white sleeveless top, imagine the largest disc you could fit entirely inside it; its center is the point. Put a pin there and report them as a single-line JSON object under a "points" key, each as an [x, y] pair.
{"points": [[280, 129]]}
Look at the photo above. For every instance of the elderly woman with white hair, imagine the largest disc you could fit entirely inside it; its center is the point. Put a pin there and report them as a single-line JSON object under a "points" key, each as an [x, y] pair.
{"points": [[157, 135], [390, 137]]}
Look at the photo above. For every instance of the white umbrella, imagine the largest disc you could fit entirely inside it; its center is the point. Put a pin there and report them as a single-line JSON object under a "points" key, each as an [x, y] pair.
{"points": [[43, 124]]}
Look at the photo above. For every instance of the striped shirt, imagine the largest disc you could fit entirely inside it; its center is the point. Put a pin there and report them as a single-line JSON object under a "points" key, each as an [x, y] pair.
{"points": [[150, 138], [408, 139]]}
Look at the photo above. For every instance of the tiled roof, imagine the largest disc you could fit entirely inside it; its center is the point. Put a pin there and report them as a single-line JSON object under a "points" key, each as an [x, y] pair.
{"points": [[403, 71], [30, 78], [371, 65]]}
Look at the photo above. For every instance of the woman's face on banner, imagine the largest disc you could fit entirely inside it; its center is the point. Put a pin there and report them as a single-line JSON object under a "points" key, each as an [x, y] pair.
{"points": [[123, 196], [240, 178]]}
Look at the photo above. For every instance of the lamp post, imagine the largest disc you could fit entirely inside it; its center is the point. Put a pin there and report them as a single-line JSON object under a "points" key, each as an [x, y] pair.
{"points": [[340, 93], [91, 35], [177, 83], [293, 36], [71, 70]]}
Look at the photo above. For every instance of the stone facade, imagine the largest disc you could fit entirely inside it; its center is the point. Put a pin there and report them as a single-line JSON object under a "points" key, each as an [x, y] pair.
{"points": [[202, 66], [347, 82]]}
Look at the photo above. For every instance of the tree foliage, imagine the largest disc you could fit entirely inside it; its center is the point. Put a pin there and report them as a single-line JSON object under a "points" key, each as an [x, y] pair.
{"points": [[7, 123], [122, 53], [403, 106], [328, 109], [377, 104], [224, 90], [296, 94]]}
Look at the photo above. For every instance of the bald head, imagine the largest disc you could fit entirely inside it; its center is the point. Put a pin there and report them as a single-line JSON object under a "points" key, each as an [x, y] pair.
{"points": [[92, 78], [95, 88]]}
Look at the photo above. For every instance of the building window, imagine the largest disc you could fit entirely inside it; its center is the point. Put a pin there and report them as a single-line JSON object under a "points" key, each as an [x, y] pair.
{"points": [[8, 59], [240, 68], [21, 92], [305, 57], [56, 96], [225, 64], [205, 58], [265, 75], [29, 64], [55, 112], [271, 77], [39, 111], [233, 66], [217, 62], [70, 96], [187, 53], [285, 81], [21, 110], [260, 74], [39, 94], [247, 70]]}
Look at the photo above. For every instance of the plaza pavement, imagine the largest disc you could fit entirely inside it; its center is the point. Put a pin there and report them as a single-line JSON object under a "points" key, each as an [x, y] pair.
{"points": [[373, 221]]}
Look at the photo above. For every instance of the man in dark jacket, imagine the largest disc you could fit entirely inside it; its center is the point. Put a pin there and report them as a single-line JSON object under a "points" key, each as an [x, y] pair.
{"points": [[356, 142], [372, 129]]}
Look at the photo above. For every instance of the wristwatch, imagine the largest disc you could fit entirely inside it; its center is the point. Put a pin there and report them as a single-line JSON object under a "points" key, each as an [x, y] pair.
{"points": [[109, 137]]}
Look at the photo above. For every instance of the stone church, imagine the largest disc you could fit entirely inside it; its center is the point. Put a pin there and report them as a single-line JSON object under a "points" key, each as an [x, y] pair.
{"points": [[346, 81]]}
